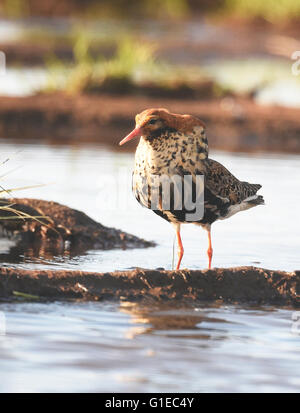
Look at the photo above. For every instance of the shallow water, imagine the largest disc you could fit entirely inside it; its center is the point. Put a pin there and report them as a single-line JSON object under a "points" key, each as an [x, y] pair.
{"points": [[124, 347], [97, 181], [91, 347], [271, 79]]}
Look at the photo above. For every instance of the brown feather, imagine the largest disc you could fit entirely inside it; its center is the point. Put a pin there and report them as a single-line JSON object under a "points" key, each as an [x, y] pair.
{"points": [[182, 123], [223, 183], [177, 144]]}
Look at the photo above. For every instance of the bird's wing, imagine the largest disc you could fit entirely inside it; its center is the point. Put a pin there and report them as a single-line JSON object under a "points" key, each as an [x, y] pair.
{"points": [[223, 184], [220, 190]]}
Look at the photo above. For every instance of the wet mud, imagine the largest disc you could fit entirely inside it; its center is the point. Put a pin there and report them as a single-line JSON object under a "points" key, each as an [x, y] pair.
{"points": [[59, 229], [233, 124], [248, 285]]}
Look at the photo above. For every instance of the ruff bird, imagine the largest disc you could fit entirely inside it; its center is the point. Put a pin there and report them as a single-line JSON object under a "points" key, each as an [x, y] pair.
{"points": [[175, 147]]}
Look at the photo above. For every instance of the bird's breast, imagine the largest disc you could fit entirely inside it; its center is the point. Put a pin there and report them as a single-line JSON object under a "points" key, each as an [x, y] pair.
{"points": [[176, 154]]}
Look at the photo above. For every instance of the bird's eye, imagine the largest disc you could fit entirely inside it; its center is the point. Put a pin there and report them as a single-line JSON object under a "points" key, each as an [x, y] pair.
{"points": [[152, 121]]}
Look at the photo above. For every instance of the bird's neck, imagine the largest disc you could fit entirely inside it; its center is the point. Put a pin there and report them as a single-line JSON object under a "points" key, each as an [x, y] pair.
{"points": [[172, 149], [185, 145]]}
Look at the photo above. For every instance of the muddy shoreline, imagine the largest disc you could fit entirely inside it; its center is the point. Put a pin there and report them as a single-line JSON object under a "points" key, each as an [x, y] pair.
{"points": [[234, 124], [58, 229], [249, 285]]}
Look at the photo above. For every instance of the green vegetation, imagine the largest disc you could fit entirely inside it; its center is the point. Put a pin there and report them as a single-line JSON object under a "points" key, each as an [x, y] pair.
{"points": [[7, 210], [25, 296], [131, 67], [14, 8], [271, 10], [138, 8], [92, 9], [89, 73]]}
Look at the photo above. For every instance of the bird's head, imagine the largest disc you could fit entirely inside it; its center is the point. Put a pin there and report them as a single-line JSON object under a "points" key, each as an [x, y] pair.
{"points": [[153, 123]]}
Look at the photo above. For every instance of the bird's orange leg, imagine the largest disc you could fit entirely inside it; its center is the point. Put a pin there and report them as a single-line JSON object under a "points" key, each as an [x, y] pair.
{"points": [[180, 248], [210, 250]]}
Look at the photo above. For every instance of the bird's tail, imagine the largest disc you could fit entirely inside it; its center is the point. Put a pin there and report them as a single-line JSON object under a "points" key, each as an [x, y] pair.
{"points": [[256, 200]]}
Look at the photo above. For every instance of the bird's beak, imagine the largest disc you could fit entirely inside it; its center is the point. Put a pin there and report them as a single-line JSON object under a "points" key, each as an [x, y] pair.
{"points": [[134, 134]]}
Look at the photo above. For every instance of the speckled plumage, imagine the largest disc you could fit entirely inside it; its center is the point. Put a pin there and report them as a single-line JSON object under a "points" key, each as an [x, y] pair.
{"points": [[185, 151], [172, 144]]}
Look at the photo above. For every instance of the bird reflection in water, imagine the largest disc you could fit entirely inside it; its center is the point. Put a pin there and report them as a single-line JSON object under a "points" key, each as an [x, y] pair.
{"points": [[178, 322]]}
